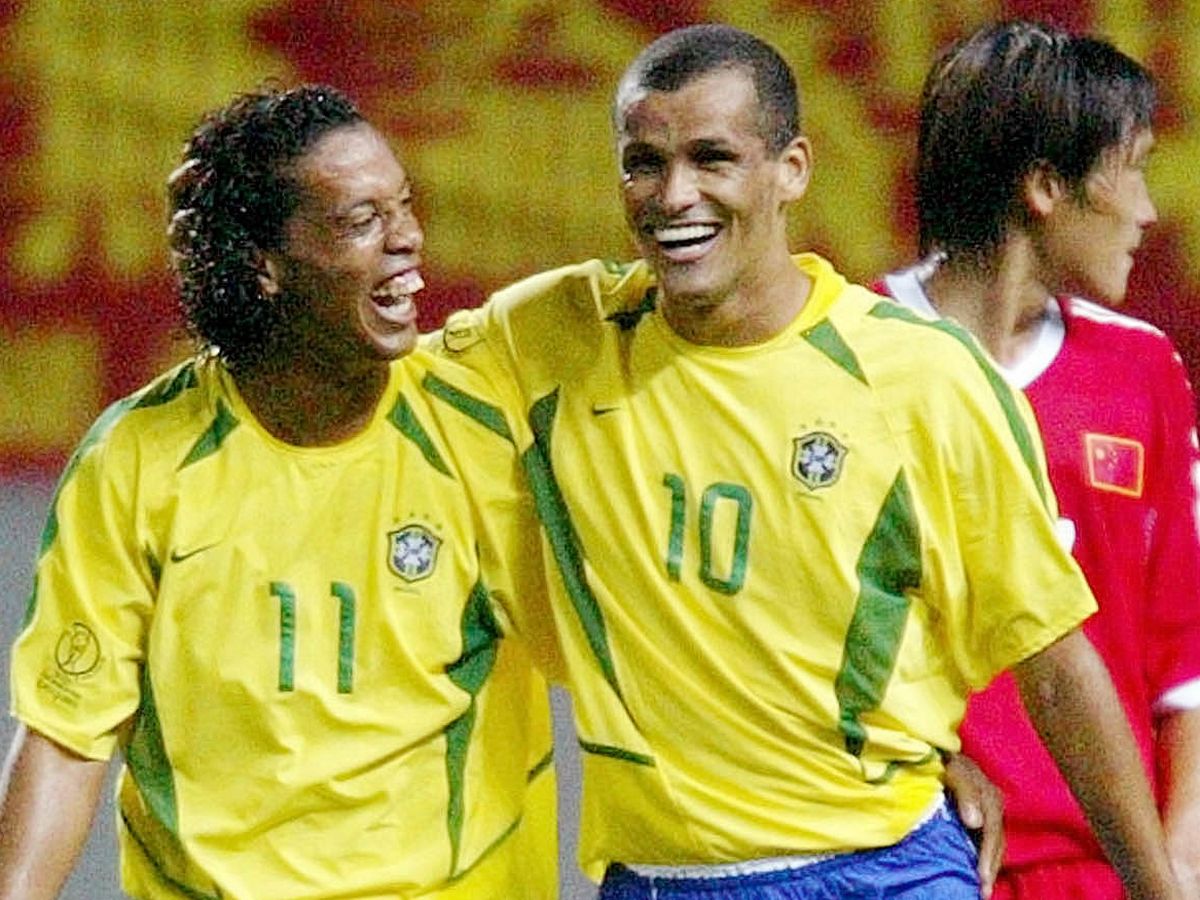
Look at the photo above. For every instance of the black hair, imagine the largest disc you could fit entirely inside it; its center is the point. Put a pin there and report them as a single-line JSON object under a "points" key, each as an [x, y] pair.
{"points": [[229, 201], [680, 56], [1007, 99]]}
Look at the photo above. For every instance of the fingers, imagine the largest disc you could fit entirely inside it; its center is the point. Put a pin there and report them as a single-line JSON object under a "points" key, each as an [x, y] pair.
{"points": [[980, 806]]}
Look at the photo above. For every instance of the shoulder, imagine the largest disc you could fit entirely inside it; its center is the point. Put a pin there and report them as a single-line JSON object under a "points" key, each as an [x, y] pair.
{"points": [[459, 397], [165, 410], [1123, 345], [1113, 333], [149, 433], [554, 302]]}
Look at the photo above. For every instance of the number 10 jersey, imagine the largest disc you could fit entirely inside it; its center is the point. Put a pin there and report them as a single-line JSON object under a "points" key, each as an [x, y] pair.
{"points": [[776, 569]]}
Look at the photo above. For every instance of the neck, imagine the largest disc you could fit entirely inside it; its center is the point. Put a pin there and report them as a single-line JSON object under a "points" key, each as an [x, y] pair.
{"points": [[1000, 300], [303, 404], [758, 308]]}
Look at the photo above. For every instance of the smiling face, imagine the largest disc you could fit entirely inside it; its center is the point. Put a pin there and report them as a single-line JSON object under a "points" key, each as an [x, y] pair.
{"points": [[704, 195], [349, 265], [1089, 243]]}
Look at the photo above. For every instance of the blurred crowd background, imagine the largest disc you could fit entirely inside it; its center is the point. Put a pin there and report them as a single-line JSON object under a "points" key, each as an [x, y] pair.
{"points": [[500, 111]]}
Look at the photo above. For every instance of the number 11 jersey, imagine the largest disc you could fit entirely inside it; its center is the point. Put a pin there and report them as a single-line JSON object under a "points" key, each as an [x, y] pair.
{"points": [[299, 650]]}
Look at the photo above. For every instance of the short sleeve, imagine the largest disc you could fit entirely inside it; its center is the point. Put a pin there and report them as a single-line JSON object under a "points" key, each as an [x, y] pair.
{"points": [[76, 664], [1010, 588]]}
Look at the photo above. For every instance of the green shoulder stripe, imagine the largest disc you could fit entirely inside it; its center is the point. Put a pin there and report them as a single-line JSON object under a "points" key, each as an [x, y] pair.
{"points": [[887, 309], [486, 414], [889, 565], [564, 540], [480, 637], [167, 389], [156, 394], [407, 423], [223, 423], [826, 338]]}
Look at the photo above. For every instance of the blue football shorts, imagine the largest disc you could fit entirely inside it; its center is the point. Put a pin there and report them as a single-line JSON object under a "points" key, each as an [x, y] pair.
{"points": [[937, 861]]}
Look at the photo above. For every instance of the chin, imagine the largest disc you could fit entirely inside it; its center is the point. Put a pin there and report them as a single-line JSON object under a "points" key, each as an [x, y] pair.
{"points": [[395, 346]]}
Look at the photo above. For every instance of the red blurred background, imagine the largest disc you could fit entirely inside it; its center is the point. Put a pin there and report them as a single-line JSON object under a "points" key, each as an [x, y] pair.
{"points": [[500, 112]]}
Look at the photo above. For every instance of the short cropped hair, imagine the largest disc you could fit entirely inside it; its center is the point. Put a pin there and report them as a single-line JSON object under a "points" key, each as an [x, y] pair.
{"points": [[1004, 101], [681, 56], [229, 201]]}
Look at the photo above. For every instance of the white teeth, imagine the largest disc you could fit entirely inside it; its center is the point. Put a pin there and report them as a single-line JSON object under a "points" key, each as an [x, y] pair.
{"points": [[403, 285], [678, 233]]}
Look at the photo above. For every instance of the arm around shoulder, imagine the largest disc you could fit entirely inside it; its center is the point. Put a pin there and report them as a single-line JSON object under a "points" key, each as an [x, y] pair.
{"points": [[48, 797]]}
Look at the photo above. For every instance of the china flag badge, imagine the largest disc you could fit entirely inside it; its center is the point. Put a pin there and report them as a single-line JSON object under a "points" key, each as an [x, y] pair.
{"points": [[1115, 464]]}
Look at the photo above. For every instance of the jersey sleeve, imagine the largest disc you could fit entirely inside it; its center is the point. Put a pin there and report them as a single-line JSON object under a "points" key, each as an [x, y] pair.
{"points": [[1173, 594], [490, 444], [1011, 588], [75, 667]]}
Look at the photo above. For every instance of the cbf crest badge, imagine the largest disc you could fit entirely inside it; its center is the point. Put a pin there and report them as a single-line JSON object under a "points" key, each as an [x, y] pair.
{"points": [[817, 459], [413, 551]]}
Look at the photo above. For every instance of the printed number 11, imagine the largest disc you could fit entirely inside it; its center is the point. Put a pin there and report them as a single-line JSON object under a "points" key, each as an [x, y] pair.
{"points": [[344, 594]]}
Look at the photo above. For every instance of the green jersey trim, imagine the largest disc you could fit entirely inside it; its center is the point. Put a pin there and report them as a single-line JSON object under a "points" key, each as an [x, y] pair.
{"points": [[640, 759], [151, 857], [825, 338], [887, 309], [487, 415], [407, 423], [223, 424], [156, 394], [889, 565], [491, 848], [149, 765], [480, 637], [540, 766], [564, 541]]}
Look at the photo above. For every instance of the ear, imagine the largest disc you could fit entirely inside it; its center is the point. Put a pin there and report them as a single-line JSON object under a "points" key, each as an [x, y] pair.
{"points": [[795, 167], [268, 274], [1042, 189]]}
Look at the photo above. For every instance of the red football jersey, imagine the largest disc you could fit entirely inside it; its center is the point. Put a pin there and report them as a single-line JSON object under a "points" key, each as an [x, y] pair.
{"points": [[1118, 420]]}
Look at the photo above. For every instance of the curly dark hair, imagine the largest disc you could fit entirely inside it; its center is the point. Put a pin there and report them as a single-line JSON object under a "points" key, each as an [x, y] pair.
{"points": [[229, 200]]}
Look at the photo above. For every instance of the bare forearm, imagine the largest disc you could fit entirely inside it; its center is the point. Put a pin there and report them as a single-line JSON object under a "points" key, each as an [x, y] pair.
{"points": [[1070, 698], [1179, 761], [48, 799]]}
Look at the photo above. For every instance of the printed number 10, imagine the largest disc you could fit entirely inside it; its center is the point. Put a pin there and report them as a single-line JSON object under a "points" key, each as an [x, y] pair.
{"points": [[344, 594], [713, 495]]}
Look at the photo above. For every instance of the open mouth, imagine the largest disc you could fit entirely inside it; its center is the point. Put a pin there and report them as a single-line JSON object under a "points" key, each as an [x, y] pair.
{"points": [[683, 243], [392, 300], [398, 289]]}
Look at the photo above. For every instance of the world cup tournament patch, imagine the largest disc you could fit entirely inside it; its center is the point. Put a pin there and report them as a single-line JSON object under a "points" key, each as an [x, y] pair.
{"points": [[412, 552], [817, 459]]}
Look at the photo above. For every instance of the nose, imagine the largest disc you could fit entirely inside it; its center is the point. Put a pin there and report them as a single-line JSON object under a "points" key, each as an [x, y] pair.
{"points": [[404, 233], [1149, 212], [679, 189]]}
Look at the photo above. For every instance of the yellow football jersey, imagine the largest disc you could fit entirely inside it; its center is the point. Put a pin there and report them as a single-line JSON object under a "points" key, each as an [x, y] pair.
{"points": [[304, 654], [777, 569]]}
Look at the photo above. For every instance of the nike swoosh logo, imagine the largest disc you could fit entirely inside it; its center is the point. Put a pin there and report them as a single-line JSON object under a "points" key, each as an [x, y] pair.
{"points": [[180, 556], [598, 410]]}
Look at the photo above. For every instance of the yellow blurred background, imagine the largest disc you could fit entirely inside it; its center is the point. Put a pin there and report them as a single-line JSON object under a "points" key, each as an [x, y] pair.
{"points": [[499, 109]]}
